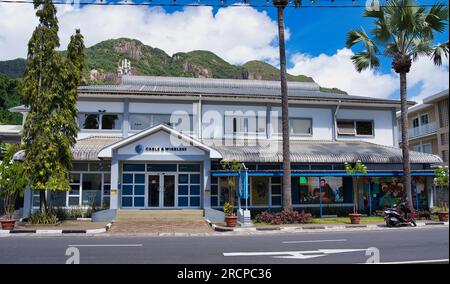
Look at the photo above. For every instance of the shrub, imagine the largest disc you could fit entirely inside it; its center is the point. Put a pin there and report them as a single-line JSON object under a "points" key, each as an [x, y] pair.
{"points": [[42, 218], [59, 212], [75, 212], [283, 217]]}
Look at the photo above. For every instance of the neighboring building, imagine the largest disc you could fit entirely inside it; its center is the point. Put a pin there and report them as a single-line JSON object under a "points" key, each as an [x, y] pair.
{"points": [[10, 133], [157, 142], [428, 126]]}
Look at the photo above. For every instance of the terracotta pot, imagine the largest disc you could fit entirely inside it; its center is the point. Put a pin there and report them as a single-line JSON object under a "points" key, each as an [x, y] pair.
{"points": [[355, 218], [443, 216], [8, 224], [231, 221]]}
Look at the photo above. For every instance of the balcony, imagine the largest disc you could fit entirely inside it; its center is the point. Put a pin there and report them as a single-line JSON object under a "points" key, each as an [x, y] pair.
{"points": [[423, 130]]}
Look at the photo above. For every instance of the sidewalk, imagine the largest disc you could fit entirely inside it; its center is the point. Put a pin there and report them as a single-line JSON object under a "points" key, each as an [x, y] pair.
{"points": [[317, 227], [65, 227]]}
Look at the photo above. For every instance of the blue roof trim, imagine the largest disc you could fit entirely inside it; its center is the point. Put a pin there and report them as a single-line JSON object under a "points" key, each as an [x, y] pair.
{"points": [[320, 174]]}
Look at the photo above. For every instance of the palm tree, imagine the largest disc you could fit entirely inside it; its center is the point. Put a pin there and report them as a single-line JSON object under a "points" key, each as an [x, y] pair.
{"points": [[404, 31], [287, 200]]}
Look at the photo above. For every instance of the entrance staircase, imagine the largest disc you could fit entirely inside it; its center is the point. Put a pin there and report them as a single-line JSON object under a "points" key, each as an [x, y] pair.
{"points": [[157, 222], [159, 215]]}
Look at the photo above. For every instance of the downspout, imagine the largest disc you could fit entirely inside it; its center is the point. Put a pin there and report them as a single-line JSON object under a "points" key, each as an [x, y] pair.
{"points": [[335, 134]]}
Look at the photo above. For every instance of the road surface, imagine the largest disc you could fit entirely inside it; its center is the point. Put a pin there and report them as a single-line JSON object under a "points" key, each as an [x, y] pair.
{"points": [[396, 245]]}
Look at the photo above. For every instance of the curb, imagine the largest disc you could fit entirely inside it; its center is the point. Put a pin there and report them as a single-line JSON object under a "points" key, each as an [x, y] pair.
{"points": [[312, 228], [56, 232]]}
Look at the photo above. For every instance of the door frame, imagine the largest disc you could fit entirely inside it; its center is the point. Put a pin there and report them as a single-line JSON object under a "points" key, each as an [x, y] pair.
{"points": [[161, 189]]}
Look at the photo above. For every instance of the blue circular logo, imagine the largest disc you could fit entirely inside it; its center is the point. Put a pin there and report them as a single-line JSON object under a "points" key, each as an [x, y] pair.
{"points": [[139, 149]]}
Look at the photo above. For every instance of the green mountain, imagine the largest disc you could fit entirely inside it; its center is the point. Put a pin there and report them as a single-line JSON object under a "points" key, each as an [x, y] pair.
{"points": [[9, 97], [13, 68], [102, 61]]}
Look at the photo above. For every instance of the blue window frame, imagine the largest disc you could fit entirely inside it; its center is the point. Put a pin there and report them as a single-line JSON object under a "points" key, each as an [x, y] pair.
{"points": [[134, 167], [162, 167]]}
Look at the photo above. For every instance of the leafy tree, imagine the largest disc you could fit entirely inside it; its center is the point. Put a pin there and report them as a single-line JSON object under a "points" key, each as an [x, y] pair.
{"points": [[49, 89], [12, 180], [403, 31]]}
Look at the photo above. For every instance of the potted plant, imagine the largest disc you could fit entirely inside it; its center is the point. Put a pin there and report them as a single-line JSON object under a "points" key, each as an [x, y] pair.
{"points": [[351, 169], [441, 180], [12, 183], [230, 217]]}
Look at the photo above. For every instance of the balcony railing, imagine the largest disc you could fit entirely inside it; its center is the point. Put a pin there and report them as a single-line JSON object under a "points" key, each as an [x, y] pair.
{"points": [[423, 130]]}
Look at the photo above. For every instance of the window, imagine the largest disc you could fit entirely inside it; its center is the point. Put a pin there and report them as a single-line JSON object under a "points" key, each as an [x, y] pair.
{"points": [[415, 122], [100, 121], [89, 121], [259, 191], [111, 121], [364, 128], [444, 138], [355, 127], [181, 122], [297, 126], [236, 124], [346, 127], [424, 119], [443, 113], [426, 148], [92, 190], [416, 148], [444, 155], [139, 121]]}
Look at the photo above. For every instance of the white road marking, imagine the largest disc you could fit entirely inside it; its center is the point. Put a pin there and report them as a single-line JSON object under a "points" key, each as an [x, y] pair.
{"points": [[294, 254], [112, 245], [413, 261], [314, 241]]}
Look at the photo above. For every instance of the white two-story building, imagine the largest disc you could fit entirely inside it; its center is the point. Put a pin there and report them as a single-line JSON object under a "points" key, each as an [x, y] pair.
{"points": [[158, 142]]}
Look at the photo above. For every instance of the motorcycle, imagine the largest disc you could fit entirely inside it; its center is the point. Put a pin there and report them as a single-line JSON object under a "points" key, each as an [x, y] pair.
{"points": [[399, 215]]}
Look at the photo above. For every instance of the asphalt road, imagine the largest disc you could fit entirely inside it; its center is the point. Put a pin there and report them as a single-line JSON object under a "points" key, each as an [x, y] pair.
{"points": [[396, 245]]}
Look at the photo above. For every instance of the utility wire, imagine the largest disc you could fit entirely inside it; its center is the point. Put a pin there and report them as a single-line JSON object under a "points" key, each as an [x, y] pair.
{"points": [[234, 4]]}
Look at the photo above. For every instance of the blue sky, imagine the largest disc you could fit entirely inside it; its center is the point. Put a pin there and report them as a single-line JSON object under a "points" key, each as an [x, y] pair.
{"points": [[315, 46]]}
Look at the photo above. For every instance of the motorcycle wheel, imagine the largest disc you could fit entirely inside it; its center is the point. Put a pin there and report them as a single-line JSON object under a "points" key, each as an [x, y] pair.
{"points": [[389, 224]]}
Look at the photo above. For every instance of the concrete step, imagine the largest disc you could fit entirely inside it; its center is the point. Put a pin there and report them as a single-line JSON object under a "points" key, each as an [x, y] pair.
{"points": [[159, 215]]}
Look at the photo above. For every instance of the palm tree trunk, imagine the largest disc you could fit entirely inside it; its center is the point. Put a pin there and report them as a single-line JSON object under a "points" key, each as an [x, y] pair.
{"points": [[405, 142], [287, 201]]}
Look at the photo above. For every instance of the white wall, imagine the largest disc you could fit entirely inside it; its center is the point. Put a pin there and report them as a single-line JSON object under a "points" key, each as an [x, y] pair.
{"points": [[96, 106], [383, 125], [160, 108]]}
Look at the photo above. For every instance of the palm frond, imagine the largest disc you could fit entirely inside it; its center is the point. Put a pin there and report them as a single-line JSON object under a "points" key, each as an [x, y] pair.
{"points": [[439, 52], [437, 17], [364, 60], [421, 47]]}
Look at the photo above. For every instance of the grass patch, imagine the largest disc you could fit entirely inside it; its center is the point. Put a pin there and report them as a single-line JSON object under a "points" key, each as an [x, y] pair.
{"points": [[346, 220]]}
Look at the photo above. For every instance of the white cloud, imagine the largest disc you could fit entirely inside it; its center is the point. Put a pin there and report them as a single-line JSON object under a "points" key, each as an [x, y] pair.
{"points": [[429, 78], [235, 34], [338, 71]]}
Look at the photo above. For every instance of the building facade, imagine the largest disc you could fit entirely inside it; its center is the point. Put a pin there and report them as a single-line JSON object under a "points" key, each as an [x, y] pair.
{"points": [[428, 126], [160, 142]]}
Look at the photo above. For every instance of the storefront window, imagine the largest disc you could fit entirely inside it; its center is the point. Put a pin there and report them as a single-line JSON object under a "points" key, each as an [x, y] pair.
{"points": [[259, 191], [92, 189], [387, 191], [306, 190]]}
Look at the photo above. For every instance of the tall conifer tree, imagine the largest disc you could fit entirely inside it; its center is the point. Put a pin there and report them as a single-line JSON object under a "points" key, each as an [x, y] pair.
{"points": [[49, 89]]}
